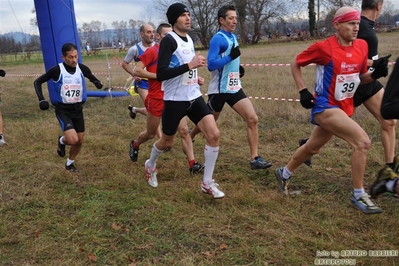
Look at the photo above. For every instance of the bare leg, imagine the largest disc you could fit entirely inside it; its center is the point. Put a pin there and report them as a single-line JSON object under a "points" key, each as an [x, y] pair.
{"points": [[143, 94], [186, 141], [75, 140], [388, 137], [246, 110], [338, 123]]}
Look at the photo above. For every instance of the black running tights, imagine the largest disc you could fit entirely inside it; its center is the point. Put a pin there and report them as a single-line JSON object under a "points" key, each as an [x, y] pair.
{"points": [[390, 101]]}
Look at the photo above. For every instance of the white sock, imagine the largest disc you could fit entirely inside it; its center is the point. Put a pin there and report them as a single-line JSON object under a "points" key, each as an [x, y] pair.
{"points": [[211, 155], [286, 173], [69, 162], [358, 192], [134, 109], [61, 140], [155, 153], [390, 185]]}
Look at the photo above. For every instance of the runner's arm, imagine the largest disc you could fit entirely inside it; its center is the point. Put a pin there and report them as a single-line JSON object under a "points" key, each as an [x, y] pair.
{"points": [[166, 49], [88, 74], [140, 71], [217, 46], [53, 73], [131, 54]]}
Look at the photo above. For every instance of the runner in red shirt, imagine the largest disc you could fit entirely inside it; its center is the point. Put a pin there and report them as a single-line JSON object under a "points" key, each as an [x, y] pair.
{"points": [[154, 103], [341, 65]]}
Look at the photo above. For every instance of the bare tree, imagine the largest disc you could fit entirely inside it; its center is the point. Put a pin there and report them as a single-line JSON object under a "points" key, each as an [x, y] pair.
{"points": [[204, 19], [335, 4], [132, 26], [96, 28], [203, 16], [119, 27], [148, 15], [91, 32], [33, 21], [123, 30], [241, 8], [387, 13], [159, 8], [312, 17], [86, 32], [260, 12]]}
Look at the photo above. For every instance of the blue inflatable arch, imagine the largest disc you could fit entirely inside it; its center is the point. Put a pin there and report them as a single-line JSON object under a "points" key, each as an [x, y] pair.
{"points": [[57, 26]]}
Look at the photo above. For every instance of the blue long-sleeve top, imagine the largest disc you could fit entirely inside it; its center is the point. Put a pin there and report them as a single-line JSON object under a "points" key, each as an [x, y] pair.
{"points": [[217, 46]]}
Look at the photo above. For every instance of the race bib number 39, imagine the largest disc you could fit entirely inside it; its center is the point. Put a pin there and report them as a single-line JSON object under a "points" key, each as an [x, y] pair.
{"points": [[346, 85], [190, 77]]}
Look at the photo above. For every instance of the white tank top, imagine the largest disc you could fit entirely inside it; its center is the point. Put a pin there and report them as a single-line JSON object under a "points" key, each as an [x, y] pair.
{"points": [[183, 87], [71, 88]]}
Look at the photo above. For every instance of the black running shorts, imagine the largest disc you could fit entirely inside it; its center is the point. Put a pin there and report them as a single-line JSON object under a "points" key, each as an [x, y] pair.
{"points": [[70, 116], [217, 101], [174, 111], [366, 91]]}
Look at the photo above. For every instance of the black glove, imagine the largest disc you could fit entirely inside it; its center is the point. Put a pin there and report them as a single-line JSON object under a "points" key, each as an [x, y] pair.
{"points": [[306, 98], [381, 70], [2, 73], [43, 104], [381, 60], [235, 52], [98, 84], [242, 71]]}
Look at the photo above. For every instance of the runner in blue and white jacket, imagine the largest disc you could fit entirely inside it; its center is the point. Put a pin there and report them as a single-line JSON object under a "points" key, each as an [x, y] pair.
{"points": [[225, 85]]}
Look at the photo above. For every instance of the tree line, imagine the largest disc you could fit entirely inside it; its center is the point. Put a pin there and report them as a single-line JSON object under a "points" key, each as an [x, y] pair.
{"points": [[257, 19]]}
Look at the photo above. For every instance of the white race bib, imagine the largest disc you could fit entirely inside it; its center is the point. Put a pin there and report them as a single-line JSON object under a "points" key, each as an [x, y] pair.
{"points": [[190, 77], [71, 93], [233, 82], [346, 85]]}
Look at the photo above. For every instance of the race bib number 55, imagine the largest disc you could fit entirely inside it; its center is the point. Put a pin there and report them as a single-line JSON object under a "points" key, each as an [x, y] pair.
{"points": [[233, 82]]}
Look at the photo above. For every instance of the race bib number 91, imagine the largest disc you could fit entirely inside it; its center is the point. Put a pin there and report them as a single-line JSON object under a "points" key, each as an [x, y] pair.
{"points": [[346, 85], [190, 77]]}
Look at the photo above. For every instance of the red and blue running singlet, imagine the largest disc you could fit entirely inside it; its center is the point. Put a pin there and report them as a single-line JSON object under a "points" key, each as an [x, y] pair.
{"points": [[337, 72]]}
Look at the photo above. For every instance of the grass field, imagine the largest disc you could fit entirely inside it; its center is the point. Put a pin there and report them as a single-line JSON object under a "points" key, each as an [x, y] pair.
{"points": [[108, 215]]}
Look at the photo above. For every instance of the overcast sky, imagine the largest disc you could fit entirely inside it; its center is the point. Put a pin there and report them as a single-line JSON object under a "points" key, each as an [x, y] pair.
{"points": [[16, 14]]}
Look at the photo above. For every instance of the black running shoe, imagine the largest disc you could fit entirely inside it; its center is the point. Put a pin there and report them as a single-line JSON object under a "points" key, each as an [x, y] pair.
{"points": [[61, 148], [197, 168], [379, 185], [133, 152], [131, 113], [259, 163], [71, 168], [396, 164], [308, 161]]}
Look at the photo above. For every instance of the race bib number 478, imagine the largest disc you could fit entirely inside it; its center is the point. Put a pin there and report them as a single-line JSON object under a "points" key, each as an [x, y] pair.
{"points": [[71, 93]]}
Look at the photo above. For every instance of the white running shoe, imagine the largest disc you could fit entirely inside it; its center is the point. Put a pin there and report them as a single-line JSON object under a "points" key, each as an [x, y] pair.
{"points": [[151, 175], [2, 141], [212, 189]]}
